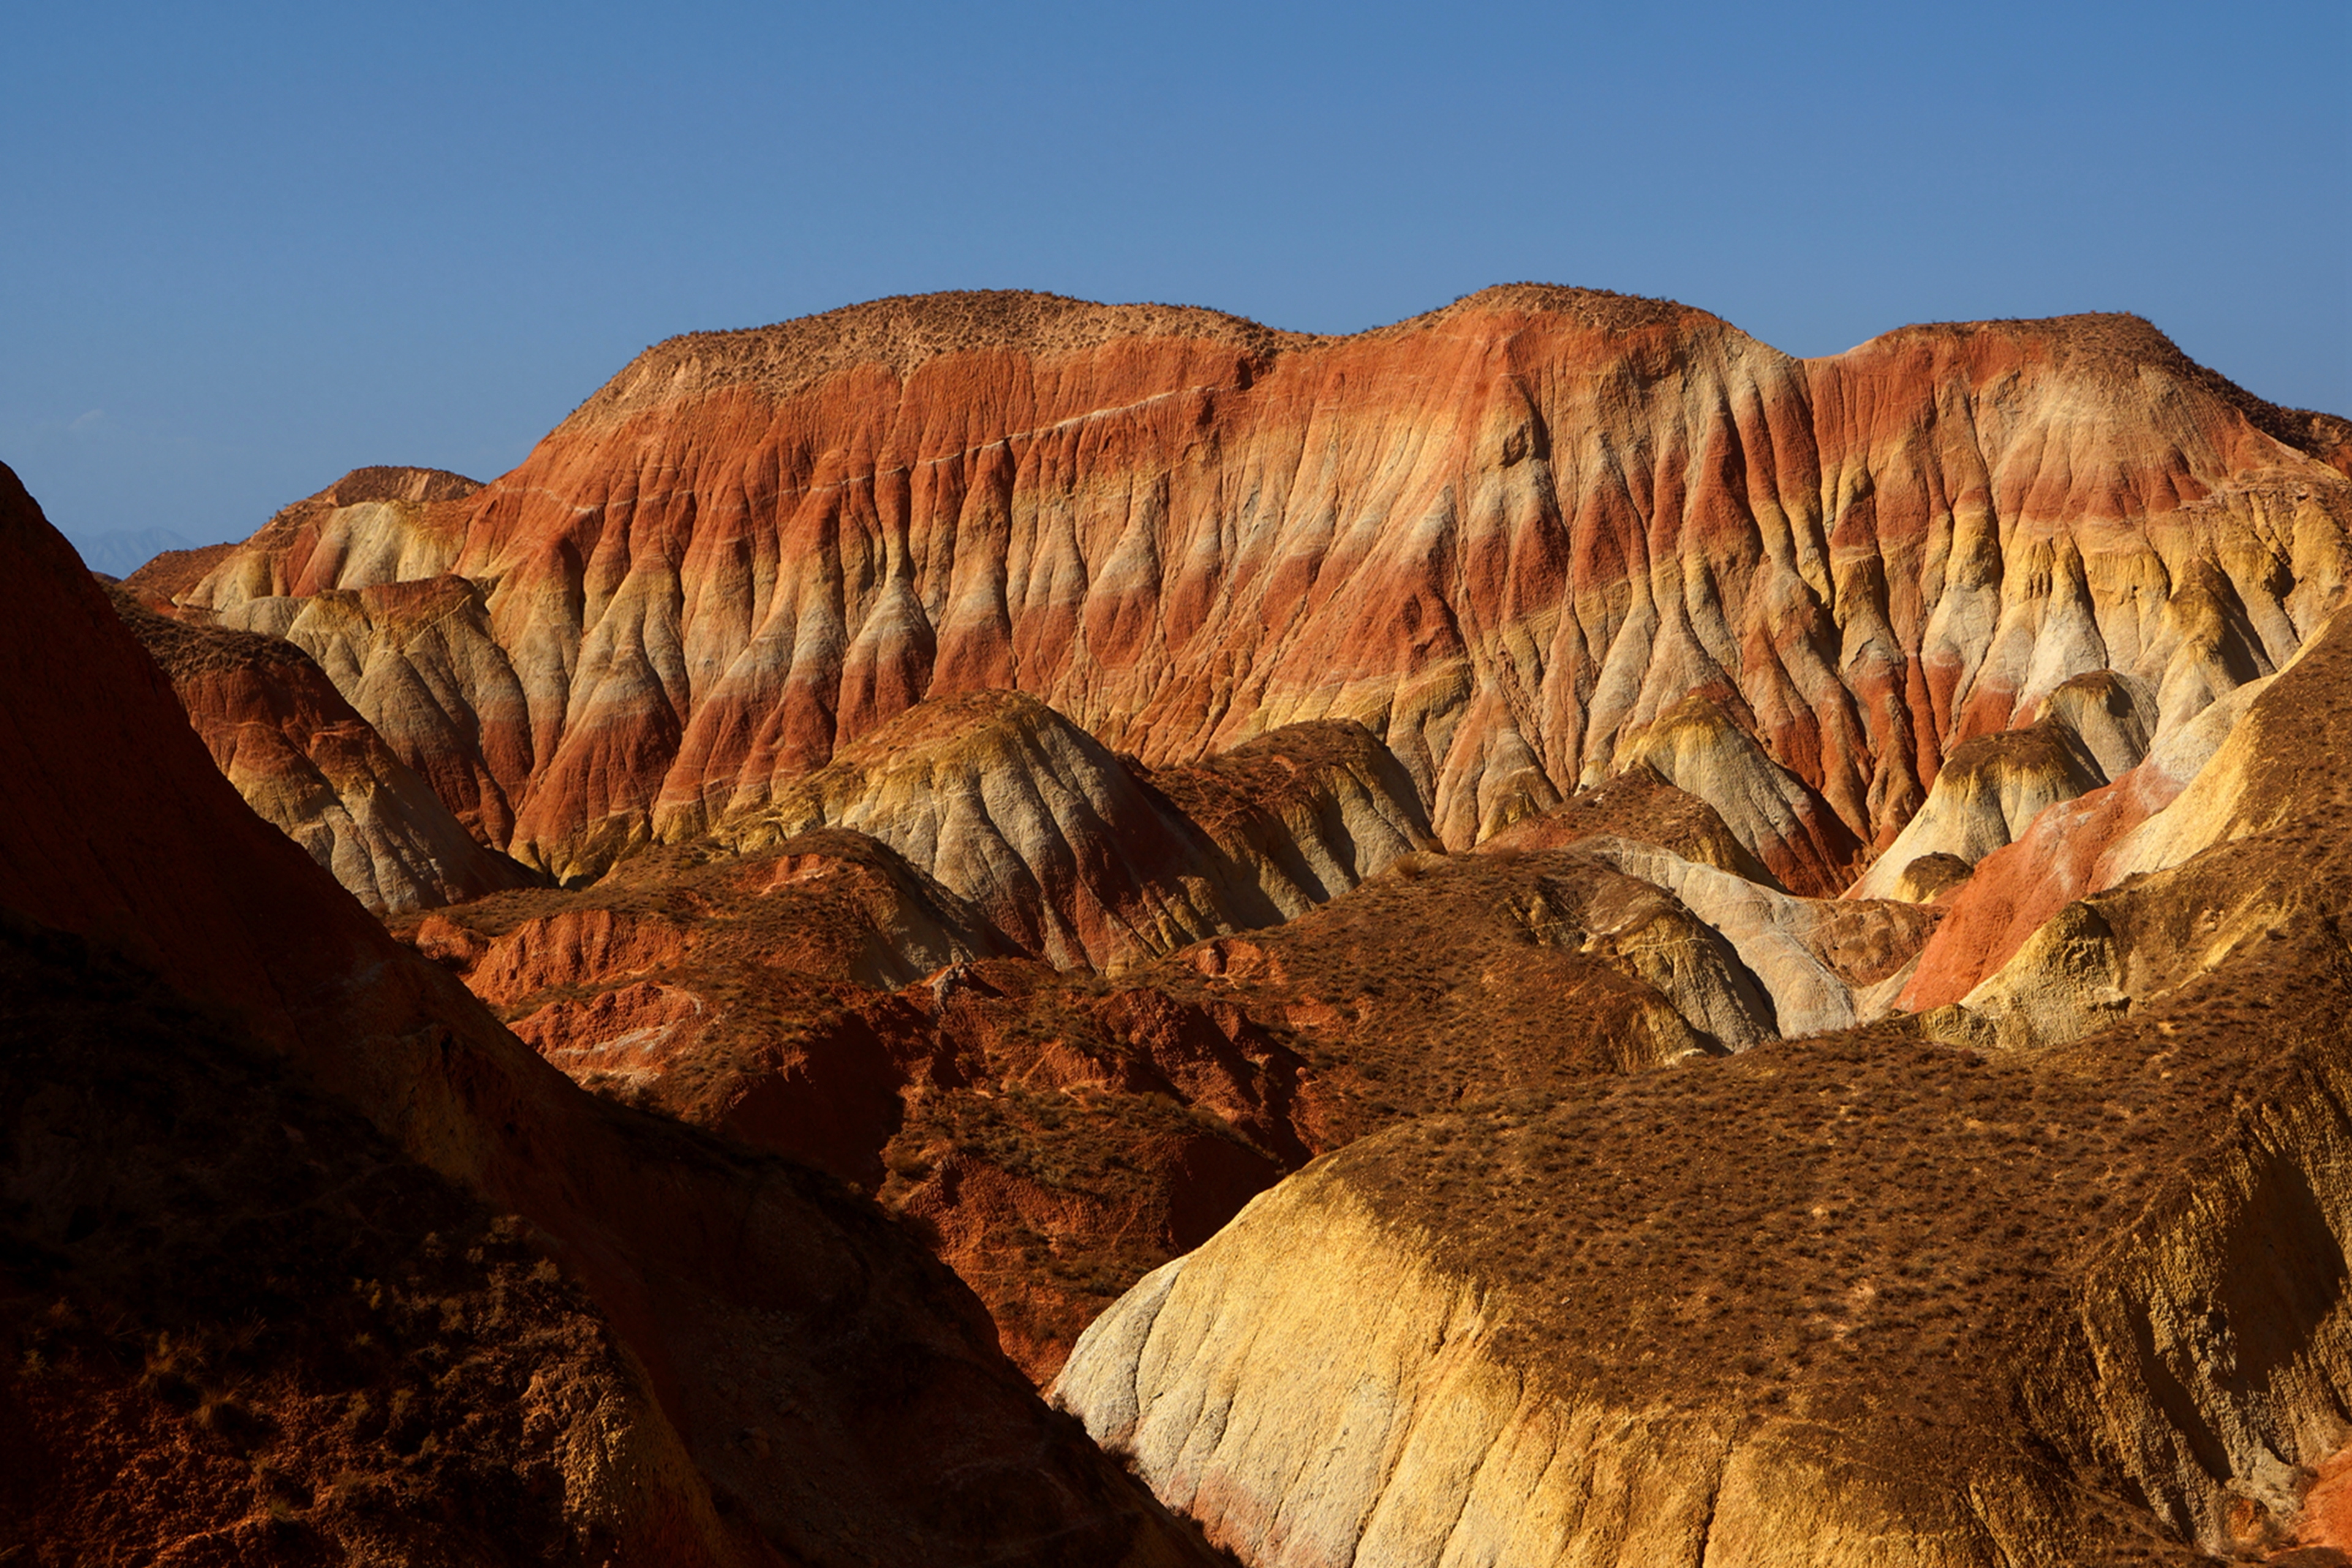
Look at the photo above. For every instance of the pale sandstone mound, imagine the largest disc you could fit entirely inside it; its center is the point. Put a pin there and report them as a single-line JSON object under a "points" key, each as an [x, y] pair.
{"points": [[1017, 809], [1298, 815], [310, 766], [1083, 859], [373, 525], [1508, 537], [598, 1376], [1859, 1301], [1822, 964]]}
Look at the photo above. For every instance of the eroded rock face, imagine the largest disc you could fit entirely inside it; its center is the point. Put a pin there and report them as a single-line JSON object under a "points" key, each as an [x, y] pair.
{"points": [[1058, 1134], [416, 657], [1509, 537], [310, 766], [1083, 859], [599, 1373], [2074, 1247], [2090, 732], [1002, 750]]}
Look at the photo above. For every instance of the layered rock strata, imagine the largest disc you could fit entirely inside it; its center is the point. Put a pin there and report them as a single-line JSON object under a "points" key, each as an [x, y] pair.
{"points": [[1509, 537], [1057, 1135], [310, 766], [2075, 1249], [1083, 859]]}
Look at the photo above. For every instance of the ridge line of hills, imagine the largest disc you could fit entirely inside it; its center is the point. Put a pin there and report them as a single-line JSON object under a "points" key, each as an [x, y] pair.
{"points": [[1610, 945]]}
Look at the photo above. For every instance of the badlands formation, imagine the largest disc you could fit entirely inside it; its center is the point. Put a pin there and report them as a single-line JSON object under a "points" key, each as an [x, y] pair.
{"points": [[305, 1258], [1541, 935]]}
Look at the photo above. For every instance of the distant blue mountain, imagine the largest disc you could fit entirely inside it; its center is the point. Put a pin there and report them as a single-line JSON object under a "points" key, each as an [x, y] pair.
{"points": [[124, 551]]}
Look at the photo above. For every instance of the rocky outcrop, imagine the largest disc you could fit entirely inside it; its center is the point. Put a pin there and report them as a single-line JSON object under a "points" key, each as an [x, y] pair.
{"points": [[1509, 537], [2063, 855], [2075, 1249], [310, 766], [417, 659], [1697, 748], [1822, 964], [2228, 863], [2093, 730], [2092, 1299], [1083, 859], [601, 1374], [1058, 1134], [1641, 807]]}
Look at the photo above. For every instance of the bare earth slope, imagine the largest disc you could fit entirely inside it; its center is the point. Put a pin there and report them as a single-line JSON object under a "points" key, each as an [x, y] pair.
{"points": [[736, 1360], [1509, 537]]}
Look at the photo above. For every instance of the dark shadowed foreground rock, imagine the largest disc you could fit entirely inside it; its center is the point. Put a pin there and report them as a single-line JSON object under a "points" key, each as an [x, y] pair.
{"points": [[306, 1256]]}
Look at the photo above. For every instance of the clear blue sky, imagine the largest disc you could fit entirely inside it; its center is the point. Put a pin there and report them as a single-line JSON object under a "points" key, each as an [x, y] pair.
{"points": [[245, 247]]}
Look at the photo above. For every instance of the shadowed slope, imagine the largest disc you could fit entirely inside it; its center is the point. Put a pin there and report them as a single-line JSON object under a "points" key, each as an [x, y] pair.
{"points": [[910, 1434]]}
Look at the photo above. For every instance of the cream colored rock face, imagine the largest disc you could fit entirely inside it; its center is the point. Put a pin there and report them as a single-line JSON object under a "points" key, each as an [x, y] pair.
{"points": [[1072, 852], [1315, 1391], [1345, 1405]]}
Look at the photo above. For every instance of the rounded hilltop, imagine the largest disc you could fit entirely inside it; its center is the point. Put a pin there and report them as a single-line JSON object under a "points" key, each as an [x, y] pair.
{"points": [[1596, 310], [905, 331], [2112, 349]]}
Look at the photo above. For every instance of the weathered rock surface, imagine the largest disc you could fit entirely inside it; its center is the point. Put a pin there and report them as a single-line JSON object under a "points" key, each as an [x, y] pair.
{"points": [[2075, 1248], [310, 766], [2230, 862], [1823, 964], [1641, 807], [417, 659], [896, 676], [2090, 732], [2063, 855], [1059, 1134], [1696, 747], [1510, 537], [2093, 1298], [715, 1358], [1081, 859]]}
